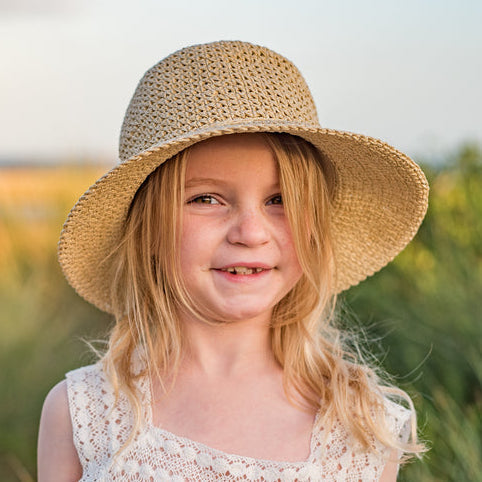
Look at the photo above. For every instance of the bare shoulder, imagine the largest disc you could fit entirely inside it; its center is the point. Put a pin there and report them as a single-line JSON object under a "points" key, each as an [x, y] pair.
{"points": [[390, 471], [57, 456]]}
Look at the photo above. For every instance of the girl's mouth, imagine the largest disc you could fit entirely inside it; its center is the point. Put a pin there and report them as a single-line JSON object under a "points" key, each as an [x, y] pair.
{"points": [[242, 270]]}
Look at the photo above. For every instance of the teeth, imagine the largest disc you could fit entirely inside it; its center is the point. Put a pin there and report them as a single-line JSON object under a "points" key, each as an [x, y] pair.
{"points": [[243, 270]]}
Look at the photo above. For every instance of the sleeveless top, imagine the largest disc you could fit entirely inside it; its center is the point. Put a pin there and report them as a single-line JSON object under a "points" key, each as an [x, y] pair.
{"points": [[101, 427]]}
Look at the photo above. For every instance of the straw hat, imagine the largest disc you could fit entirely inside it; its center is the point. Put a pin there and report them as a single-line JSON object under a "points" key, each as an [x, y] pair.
{"points": [[221, 88]]}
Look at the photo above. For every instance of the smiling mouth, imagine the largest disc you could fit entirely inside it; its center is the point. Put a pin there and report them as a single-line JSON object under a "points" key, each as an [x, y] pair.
{"points": [[242, 270]]}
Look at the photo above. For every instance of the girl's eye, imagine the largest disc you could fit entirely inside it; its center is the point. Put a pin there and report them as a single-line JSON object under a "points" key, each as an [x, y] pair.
{"points": [[204, 199], [276, 200]]}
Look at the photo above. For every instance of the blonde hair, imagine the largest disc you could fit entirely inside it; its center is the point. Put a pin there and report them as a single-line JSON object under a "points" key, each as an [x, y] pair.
{"points": [[148, 291]]}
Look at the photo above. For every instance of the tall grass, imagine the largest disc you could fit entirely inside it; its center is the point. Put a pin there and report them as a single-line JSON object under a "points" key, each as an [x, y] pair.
{"points": [[41, 318], [425, 308]]}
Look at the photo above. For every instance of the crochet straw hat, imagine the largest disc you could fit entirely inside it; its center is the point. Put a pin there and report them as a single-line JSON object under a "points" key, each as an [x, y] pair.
{"points": [[380, 195]]}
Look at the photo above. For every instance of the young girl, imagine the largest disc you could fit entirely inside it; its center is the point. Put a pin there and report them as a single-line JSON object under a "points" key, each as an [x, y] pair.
{"points": [[220, 243]]}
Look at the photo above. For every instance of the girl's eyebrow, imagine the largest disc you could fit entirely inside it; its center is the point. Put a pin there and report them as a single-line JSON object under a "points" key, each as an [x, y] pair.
{"points": [[196, 181]]}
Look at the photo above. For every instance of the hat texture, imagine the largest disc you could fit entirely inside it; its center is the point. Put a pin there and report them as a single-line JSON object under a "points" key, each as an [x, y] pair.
{"points": [[380, 195]]}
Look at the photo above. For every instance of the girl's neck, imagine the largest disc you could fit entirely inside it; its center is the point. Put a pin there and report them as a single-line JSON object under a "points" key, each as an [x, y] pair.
{"points": [[227, 349]]}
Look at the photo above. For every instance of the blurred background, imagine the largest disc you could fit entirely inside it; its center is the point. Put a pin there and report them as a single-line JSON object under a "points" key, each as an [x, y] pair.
{"points": [[406, 72]]}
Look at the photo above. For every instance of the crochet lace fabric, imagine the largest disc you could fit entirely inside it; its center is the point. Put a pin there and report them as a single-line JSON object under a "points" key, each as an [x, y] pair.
{"points": [[101, 427]]}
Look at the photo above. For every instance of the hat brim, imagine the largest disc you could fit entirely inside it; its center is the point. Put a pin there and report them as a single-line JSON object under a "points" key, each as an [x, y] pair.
{"points": [[380, 198]]}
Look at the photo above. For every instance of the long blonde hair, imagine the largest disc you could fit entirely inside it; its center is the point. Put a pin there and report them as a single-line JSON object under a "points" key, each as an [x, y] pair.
{"points": [[148, 291]]}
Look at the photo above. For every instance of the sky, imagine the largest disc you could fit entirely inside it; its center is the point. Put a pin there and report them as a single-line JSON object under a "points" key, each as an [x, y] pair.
{"points": [[407, 72]]}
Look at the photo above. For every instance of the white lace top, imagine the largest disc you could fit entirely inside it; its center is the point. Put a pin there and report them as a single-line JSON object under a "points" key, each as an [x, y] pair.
{"points": [[100, 429]]}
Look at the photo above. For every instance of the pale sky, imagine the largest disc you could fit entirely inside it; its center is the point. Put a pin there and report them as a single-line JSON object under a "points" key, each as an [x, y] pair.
{"points": [[408, 72]]}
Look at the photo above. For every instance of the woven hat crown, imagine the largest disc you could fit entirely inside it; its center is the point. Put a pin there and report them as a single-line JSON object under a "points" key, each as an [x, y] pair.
{"points": [[222, 83]]}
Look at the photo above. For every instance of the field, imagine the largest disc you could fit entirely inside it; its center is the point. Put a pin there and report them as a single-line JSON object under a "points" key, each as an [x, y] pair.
{"points": [[422, 314]]}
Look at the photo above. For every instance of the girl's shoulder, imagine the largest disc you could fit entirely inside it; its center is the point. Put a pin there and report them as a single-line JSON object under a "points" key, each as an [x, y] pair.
{"points": [[57, 455], [90, 394], [101, 421], [338, 452], [86, 381], [398, 419]]}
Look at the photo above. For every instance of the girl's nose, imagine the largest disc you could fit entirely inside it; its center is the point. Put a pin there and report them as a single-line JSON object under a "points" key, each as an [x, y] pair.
{"points": [[248, 228]]}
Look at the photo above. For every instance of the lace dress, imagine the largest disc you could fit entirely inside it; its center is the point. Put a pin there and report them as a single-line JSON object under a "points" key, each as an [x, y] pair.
{"points": [[100, 429]]}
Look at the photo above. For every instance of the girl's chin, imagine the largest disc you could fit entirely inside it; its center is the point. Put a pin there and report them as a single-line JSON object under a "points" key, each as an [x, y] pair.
{"points": [[230, 316], [244, 317]]}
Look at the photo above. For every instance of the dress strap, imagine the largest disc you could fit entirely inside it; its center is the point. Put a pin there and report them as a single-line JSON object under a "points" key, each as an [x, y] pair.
{"points": [[100, 425]]}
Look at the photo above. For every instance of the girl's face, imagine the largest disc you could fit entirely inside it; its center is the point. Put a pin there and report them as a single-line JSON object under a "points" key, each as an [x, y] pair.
{"points": [[237, 254]]}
